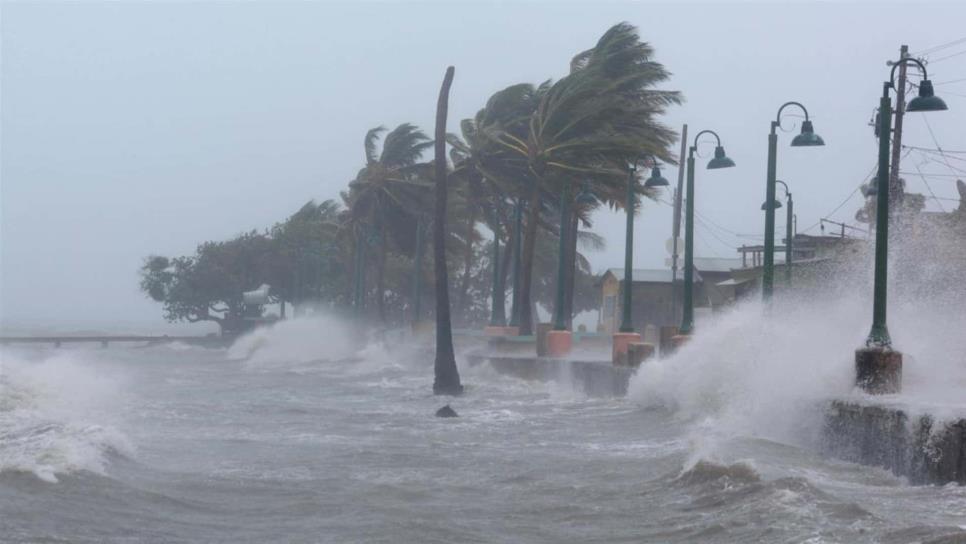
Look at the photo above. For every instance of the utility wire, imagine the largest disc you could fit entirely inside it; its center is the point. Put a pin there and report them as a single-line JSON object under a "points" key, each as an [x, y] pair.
{"points": [[940, 47], [947, 57]]}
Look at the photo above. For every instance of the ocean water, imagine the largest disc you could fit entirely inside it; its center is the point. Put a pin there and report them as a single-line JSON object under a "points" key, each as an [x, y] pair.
{"points": [[293, 435]]}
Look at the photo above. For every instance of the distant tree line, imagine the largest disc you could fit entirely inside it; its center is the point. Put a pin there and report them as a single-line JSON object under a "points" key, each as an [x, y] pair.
{"points": [[531, 150]]}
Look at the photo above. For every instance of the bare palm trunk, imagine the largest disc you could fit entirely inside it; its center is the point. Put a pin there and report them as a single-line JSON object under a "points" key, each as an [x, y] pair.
{"points": [[447, 380], [381, 283], [571, 272], [463, 303], [529, 247]]}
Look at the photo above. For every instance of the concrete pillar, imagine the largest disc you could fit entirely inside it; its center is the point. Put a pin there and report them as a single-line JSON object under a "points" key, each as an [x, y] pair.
{"points": [[621, 341], [664, 339], [639, 352], [878, 371], [559, 343], [542, 330]]}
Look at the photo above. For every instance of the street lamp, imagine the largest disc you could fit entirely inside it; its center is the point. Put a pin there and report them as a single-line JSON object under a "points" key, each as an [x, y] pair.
{"points": [[626, 335], [789, 231], [720, 160], [559, 339], [879, 367], [807, 138]]}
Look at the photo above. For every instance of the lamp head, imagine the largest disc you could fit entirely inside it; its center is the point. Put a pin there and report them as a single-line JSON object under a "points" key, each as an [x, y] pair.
{"points": [[927, 99], [807, 137], [585, 197], [720, 160], [656, 179], [775, 204]]}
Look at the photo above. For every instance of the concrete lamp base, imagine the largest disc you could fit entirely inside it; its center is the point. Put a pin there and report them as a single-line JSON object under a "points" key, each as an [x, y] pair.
{"points": [[621, 341], [501, 331], [878, 371], [559, 343], [679, 340], [639, 352]]}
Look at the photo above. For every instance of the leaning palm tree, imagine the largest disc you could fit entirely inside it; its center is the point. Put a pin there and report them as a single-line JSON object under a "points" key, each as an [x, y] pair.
{"points": [[589, 125], [384, 194], [447, 376]]}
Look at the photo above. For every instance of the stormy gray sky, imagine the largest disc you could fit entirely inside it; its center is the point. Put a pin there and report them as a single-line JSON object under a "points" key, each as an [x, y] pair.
{"points": [[136, 128]]}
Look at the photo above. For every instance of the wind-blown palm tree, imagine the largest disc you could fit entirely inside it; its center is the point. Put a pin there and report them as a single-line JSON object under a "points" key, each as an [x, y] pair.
{"points": [[384, 194], [589, 125]]}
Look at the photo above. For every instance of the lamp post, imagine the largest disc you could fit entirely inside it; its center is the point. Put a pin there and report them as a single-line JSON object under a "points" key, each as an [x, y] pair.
{"points": [[517, 237], [720, 160], [789, 230], [807, 138], [559, 339], [625, 334], [879, 367]]}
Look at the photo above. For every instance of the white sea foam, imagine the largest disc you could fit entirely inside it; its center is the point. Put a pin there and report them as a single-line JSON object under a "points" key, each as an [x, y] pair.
{"points": [[298, 340], [754, 371], [51, 416]]}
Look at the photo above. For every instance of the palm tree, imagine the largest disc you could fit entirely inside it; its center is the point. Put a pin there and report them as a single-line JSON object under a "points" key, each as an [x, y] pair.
{"points": [[384, 194], [447, 376], [589, 125]]}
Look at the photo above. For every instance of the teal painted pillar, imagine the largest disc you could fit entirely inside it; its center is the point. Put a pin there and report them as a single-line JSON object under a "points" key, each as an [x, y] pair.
{"points": [[687, 320], [768, 272], [879, 335]]}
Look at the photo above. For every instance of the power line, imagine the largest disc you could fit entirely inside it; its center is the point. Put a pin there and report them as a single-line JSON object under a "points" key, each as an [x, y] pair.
{"points": [[929, 188], [932, 149], [947, 57], [940, 47], [951, 80]]}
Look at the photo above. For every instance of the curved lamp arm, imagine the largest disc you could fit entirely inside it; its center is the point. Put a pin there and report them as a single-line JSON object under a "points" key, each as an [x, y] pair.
{"points": [[698, 135], [787, 192], [778, 118], [900, 62]]}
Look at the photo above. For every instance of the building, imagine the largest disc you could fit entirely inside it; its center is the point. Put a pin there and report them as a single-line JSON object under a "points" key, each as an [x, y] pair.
{"points": [[656, 299]]}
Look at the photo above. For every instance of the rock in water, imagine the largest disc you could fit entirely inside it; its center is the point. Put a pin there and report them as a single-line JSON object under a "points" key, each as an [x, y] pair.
{"points": [[446, 411]]}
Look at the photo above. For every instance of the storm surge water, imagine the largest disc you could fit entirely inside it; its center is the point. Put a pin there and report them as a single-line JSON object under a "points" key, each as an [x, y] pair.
{"points": [[300, 433]]}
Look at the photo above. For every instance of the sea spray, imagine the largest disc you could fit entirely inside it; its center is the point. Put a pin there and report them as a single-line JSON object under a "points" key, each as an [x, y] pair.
{"points": [[300, 340], [53, 414]]}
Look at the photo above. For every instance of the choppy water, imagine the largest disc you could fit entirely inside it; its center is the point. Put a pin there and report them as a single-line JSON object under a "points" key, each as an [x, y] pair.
{"points": [[283, 439]]}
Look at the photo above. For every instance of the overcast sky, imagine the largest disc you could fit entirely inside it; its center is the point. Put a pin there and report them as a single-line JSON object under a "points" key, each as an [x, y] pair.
{"points": [[140, 128]]}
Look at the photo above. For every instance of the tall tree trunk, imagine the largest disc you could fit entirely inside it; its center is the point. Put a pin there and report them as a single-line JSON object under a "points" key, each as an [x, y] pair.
{"points": [[571, 272], [463, 303], [447, 380], [508, 257], [381, 282], [529, 247]]}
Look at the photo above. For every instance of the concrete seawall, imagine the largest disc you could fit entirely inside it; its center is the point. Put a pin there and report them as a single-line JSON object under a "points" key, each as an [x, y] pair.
{"points": [[917, 447], [592, 378]]}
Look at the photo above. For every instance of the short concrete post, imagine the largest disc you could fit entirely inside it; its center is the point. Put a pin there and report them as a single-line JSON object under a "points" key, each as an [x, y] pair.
{"points": [[621, 341], [639, 352], [542, 330], [677, 341], [878, 371], [664, 339], [559, 343]]}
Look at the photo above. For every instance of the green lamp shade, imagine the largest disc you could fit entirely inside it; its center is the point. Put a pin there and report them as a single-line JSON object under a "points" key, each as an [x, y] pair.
{"points": [[656, 179], [775, 205], [720, 160], [585, 197], [927, 100], [807, 137]]}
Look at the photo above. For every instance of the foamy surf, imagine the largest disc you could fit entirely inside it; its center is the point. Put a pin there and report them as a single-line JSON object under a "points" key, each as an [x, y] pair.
{"points": [[49, 418]]}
